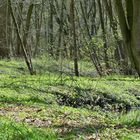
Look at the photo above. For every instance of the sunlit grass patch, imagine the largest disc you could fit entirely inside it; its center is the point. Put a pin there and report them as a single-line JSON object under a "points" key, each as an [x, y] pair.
{"points": [[130, 119], [10, 130]]}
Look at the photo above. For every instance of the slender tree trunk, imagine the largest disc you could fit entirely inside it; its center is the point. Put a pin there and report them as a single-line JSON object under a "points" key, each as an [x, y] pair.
{"points": [[75, 49], [4, 50], [18, 52], [27, 58], [51, 27], [106, 60]]}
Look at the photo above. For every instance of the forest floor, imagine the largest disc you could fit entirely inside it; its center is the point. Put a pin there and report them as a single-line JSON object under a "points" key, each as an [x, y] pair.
{"points": [[55, 105]]}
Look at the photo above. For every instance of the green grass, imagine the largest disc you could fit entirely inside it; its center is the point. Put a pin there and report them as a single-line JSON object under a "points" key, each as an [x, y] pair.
{"points": [[10, 130], [44, 106], [132, 118]]}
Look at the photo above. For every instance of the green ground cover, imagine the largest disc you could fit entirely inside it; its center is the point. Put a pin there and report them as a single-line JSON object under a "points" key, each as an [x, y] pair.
{"points": [[58, 106]]}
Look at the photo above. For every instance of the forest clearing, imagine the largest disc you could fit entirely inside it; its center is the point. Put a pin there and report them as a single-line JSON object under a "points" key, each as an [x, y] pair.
{"points": [[69, 69]]}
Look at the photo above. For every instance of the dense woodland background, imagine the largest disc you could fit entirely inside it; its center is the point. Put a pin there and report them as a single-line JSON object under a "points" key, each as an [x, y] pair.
{"points": [[66, 30]]}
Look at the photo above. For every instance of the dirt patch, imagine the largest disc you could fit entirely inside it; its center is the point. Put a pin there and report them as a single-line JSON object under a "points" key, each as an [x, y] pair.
{"points": [[37, 122]]}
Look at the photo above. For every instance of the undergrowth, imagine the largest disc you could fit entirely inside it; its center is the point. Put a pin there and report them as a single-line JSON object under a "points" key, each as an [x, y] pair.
{"points": [[54, 105]]}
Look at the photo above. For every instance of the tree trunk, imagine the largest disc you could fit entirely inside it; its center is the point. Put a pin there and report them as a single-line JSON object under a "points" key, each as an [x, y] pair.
{"points": [[22, 42], [135, 34], [3, 43], [130, 29], [75, 49]]}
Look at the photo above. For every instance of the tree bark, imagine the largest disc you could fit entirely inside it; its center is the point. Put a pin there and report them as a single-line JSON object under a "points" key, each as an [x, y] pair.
{"points": [[75, 49], [130, 29]]}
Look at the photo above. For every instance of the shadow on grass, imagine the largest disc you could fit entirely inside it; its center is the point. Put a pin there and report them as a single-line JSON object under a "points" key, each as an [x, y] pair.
{"points": [[15, 100], [66, 130]]}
